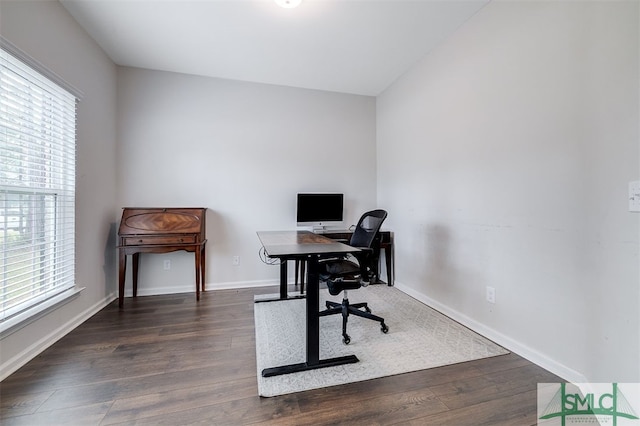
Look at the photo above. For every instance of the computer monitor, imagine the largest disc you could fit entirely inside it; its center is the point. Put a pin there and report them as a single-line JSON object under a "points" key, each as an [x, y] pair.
{"points": [[319, 209]]}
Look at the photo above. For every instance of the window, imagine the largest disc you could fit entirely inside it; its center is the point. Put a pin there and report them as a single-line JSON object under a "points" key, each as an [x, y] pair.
{"points": [[37, 188]]}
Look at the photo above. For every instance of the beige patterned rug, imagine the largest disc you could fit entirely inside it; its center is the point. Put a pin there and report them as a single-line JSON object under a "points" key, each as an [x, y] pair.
{"points": [[419, 338]]}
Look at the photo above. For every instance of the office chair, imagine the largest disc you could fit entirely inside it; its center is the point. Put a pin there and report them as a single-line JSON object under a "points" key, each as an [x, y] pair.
{"points": [[342, 274]]}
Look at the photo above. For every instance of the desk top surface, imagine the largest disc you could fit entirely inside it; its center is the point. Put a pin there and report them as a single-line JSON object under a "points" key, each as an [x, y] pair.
{"points": [[300, 243]]}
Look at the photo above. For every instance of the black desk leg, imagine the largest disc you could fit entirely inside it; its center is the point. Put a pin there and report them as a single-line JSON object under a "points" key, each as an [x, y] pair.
{"points": [[388, 257], [283, 279], [313, 320], [313, 333]]}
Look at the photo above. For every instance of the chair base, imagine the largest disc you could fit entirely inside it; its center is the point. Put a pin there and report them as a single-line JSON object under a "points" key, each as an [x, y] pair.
{"points": [[346, 309]]}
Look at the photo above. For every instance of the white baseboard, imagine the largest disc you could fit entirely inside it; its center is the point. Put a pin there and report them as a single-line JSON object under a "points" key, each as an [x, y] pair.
{"points": [[156, 291], [11, 365], [242, 284], [507, 342], [190, 288]]}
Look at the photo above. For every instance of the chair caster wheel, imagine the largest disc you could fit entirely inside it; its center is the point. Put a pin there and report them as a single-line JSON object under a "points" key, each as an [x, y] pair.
{"points": [[384, 328], [346, 339]]}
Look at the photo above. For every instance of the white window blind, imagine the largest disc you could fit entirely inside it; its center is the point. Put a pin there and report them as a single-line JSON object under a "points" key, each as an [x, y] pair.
{"points": [[37, 187]]}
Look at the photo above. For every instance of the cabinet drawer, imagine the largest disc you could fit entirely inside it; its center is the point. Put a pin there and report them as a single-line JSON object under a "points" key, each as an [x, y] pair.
{"points": [[159, 240]]}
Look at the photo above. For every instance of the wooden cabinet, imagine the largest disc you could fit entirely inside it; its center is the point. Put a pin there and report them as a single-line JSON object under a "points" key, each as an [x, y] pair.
{"points": [[161, 230]]}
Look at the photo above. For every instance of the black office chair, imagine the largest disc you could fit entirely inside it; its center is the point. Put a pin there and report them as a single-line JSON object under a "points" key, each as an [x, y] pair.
{"points": [[342, 274]]}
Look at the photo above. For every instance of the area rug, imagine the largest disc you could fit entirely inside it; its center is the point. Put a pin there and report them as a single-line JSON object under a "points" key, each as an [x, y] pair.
{"points": [[419, 338]]}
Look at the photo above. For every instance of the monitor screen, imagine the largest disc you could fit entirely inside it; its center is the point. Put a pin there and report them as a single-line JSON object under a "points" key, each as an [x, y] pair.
{"points": [[318, 209]]}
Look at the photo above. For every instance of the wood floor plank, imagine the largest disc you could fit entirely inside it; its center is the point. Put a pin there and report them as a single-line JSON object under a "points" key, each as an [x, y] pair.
{"points": [[247, 411], [167, 402], [19, 405], [461, 393], [137, 386], [380, 410], [514, 410], [80, 416], [171, 360]]}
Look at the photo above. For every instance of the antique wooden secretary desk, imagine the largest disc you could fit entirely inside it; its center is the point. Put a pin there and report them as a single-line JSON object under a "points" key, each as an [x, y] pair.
{"points": [[161, 230]]}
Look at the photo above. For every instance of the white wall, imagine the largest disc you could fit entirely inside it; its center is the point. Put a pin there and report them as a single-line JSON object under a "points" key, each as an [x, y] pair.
{"points": [[46, 32], [242, 150], [505, 157]]}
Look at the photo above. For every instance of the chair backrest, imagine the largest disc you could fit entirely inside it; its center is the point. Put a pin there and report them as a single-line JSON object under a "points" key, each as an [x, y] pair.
{"points": [[367, 228]]}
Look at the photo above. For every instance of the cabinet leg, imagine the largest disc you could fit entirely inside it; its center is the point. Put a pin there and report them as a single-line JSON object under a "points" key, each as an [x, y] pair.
{"points": [[136, 263], [198, 259], [203, 260], [121, 276]]}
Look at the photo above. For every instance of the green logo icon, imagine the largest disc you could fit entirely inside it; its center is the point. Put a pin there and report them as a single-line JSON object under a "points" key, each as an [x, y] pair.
{"points": [[605, 402]]}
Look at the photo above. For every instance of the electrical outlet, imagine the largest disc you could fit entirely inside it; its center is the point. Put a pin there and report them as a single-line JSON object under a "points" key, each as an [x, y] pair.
{"points": [[491, 295], [236, 260], [167, 264]]}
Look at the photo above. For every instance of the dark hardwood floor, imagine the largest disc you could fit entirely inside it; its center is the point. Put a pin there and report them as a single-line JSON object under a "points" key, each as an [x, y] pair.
{"points": [[170, 360]]}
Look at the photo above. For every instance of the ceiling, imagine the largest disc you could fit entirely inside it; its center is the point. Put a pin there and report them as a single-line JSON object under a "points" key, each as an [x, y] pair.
{"points": [[349, 46]]}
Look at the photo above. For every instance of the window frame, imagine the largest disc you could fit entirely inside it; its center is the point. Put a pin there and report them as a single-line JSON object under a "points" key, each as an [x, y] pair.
{"points": [[14, 318]]}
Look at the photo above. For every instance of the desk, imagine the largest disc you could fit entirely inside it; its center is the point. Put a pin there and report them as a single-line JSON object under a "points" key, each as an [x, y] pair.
{"points": [[304, 245], [160, 230]]}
